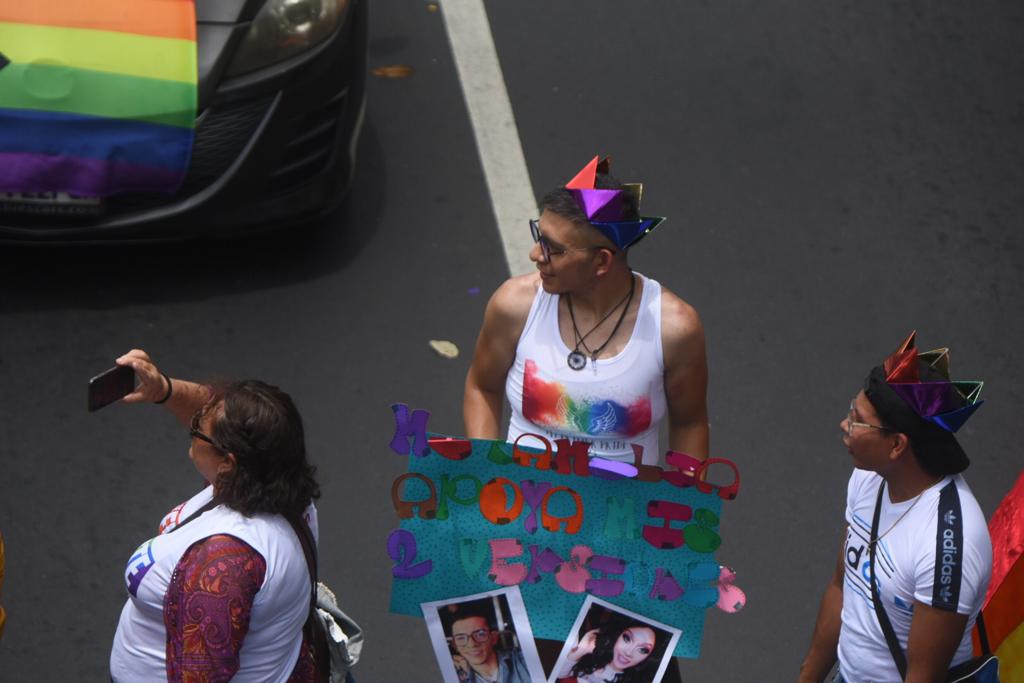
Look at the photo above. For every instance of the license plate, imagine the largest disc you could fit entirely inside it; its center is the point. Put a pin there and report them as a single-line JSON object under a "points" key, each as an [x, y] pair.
{"points": [[61, 203]]}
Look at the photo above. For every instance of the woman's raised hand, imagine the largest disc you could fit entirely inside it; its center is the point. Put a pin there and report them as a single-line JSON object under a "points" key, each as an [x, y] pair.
{"points": [[152, 386], [586, 645]]}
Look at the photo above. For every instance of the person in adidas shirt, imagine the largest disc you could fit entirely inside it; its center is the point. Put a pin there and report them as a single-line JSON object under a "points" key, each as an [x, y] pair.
{"points": [[933, 556]]}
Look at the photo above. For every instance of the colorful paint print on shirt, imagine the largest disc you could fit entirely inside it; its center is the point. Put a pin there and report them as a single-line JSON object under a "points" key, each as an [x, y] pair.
{"points": [[549, 404]]}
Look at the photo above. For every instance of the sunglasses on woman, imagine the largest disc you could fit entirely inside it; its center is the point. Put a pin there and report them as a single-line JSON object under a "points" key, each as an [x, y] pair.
{"points": [[196, 434]]}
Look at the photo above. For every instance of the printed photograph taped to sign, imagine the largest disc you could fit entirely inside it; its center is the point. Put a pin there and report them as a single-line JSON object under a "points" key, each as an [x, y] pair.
{"points": [[486, 636], [606, 641]]}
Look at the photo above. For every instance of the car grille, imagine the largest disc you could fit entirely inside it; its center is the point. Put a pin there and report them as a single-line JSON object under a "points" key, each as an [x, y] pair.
{"points": [[221, 134], [313, 140]]}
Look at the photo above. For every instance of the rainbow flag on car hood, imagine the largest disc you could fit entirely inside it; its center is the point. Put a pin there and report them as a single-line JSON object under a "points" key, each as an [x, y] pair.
{"points": [[96, 96]]}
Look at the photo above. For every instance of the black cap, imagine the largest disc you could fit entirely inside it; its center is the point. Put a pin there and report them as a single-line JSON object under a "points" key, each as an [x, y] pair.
{"points": [[933, 444]]}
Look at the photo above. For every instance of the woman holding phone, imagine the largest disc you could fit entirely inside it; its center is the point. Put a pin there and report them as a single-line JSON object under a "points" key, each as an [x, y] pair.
{"points": [[222, 591]]}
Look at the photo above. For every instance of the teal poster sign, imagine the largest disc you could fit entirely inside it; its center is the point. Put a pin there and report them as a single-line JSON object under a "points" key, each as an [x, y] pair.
{"points": [[475, 515]]}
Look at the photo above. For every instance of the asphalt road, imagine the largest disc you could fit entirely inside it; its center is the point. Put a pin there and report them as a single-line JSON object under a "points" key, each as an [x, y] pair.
{"points": [[835, 175]]}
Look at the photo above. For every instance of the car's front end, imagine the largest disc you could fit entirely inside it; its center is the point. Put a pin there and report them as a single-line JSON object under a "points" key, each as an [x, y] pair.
{"points": [[280, 101]]}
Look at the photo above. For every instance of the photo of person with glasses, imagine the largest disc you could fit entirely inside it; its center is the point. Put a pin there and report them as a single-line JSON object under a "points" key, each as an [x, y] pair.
{"points": [[483, 642], [223, 591]]}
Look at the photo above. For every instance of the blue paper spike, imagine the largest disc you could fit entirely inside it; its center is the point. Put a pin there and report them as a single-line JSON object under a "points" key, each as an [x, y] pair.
{"points": [[953, 421], [627, 233]]}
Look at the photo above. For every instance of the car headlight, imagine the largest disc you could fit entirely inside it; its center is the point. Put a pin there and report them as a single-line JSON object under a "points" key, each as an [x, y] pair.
{"points": [[283, 29]]}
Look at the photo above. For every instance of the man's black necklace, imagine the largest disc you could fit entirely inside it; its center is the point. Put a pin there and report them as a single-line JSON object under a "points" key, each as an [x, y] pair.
{"points": [[575, 359]]}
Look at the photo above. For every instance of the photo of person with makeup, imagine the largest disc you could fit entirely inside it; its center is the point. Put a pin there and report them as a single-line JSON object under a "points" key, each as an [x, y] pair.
{"points": [[612, 645]]}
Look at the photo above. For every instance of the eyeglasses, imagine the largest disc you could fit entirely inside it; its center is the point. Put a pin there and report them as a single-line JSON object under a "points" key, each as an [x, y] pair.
{"points": [[196, 434], [851, 423], [547, 251], [479, 635]]}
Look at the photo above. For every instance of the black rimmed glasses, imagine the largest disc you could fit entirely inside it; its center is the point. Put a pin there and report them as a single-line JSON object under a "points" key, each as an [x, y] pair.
{"points": [[196, 434], [479, 635], [851, 423], [546, 248]]}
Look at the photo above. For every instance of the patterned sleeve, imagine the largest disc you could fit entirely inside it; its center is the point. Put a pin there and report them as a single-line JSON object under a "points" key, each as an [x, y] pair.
{"points": [[207, 608]]}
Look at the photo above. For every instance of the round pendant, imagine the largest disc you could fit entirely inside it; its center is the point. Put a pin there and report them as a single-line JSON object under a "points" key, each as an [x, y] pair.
{"points": [[576, 360]]}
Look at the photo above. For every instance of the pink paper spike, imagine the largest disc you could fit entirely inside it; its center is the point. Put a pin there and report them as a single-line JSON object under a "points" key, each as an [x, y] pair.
{"points": [[584, 180]]}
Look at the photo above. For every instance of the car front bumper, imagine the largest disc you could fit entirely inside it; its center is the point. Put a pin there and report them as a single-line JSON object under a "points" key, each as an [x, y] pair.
{"points": [[272, 148]]}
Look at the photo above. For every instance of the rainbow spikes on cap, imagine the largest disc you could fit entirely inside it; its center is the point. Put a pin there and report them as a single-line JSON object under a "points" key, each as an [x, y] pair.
{"points": [[946, 403], [606, 209]]}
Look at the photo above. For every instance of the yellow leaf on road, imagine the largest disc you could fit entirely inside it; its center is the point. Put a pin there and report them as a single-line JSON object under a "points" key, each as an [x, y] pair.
{"points": [[445, 349]]}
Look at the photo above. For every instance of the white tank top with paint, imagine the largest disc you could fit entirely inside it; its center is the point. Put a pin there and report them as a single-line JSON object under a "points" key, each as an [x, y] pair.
{"points": [[612, 404], [279, 610]]}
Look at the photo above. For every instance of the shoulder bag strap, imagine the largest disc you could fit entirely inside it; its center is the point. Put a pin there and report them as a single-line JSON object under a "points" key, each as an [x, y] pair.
{"points": [[314, 636], [883, 618], [979, 624], [308, 548], [209, 506]]}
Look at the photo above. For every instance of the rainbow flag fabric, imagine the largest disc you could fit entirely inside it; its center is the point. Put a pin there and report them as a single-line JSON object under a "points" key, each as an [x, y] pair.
{"points": [[97, 97]]}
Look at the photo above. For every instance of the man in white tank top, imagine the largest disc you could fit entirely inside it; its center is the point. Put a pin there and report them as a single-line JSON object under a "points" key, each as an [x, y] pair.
{"points": [[586, 349]]}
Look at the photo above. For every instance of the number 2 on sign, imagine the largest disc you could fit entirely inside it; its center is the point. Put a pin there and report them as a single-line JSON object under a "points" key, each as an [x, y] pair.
{"points": [[402, 549]]}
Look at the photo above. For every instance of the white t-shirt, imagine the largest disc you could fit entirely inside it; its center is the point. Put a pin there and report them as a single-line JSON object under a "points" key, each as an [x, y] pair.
{"points": [[279, 610], [610, 404], [920, 559]]}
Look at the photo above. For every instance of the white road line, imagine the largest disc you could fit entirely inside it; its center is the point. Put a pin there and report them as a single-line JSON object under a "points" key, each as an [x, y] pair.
{"points": [[494, 126]]}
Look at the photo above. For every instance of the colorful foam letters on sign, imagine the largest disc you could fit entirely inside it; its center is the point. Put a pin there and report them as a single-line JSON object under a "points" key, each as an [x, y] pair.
{"points": [[476, 515]]}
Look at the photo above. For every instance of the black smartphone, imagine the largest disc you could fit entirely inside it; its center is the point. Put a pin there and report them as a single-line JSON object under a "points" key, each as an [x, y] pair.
{"points": [[110, 386]]}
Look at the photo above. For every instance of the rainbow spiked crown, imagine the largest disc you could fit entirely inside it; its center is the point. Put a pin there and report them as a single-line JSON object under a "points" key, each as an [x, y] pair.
{"points": [[946, 403], [606, 209]]}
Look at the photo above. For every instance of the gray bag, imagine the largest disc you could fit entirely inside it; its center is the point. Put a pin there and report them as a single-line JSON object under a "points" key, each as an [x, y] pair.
{"points": [[344, 636]]}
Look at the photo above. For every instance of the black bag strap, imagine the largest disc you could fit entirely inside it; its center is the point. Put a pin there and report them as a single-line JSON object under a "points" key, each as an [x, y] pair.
{"points": [[883, 618], [305, 536], [983, 635], [316, 638], [209, 506]]}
